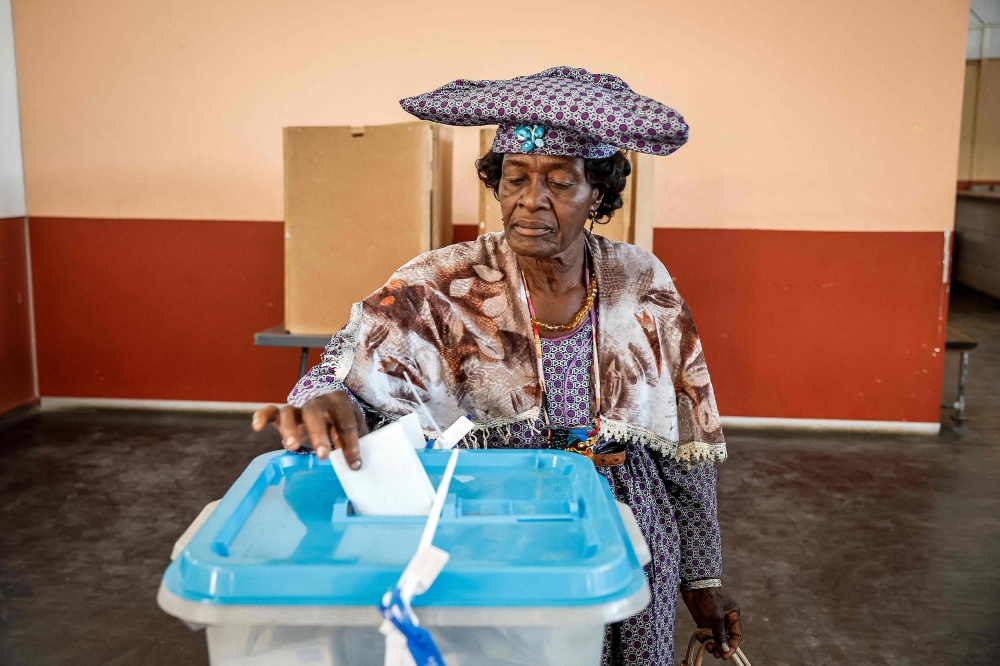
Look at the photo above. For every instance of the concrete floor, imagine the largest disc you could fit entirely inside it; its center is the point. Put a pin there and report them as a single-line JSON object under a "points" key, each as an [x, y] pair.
{"points": [[840, 550]]}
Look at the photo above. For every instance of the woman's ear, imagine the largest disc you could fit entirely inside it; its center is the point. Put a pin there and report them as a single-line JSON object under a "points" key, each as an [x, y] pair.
{"points": [[597, 197]]}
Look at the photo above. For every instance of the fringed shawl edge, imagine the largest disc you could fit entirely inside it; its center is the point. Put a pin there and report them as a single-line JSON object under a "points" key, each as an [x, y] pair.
{"points": [[689, 452]]}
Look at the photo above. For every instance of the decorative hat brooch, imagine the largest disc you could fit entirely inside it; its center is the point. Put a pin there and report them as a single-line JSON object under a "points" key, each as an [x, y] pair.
{"points": [[530, 137]]}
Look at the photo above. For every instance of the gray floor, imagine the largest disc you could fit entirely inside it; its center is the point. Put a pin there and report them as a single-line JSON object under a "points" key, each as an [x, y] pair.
{"points": [[841, 550]]}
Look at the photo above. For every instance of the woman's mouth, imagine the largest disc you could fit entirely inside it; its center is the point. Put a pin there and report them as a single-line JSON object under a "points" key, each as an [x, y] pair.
{"points": [[532, 231]]}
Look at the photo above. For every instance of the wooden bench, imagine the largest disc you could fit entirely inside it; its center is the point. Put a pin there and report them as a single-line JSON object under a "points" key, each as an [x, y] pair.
{"points": [[956, 340]]}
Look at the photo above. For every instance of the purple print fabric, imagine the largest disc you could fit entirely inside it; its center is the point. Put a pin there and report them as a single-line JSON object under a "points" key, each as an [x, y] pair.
{"points": [[561, 111]]}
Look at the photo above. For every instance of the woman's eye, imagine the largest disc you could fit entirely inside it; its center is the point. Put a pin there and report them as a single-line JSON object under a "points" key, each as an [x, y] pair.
{"points": [[561, 184], [515, 180]]}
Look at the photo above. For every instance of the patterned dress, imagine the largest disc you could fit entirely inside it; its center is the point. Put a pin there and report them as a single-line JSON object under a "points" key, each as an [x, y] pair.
{"points": [[674, 503]]}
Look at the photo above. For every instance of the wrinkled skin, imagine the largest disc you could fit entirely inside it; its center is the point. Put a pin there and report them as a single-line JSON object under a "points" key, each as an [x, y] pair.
{"points": [[545, 202]]}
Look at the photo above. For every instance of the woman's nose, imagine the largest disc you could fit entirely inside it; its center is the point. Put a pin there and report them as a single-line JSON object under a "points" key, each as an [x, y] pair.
{"points": [[535, 195]]}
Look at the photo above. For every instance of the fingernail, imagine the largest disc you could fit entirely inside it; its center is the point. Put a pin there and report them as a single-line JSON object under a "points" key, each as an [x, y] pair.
{"points": [[356, 465], [725, 647], [322, 451]]}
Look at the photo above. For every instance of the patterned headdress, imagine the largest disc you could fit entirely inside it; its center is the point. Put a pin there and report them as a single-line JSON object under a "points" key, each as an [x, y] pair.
{"points": [[561, 111]]}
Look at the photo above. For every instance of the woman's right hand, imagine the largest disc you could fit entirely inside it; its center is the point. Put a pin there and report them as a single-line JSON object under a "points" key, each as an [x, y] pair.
{"points": [[331, 417]]}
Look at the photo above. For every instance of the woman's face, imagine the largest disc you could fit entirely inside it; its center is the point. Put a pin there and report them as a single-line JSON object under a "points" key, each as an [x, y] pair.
{"points": [[545, 201]]}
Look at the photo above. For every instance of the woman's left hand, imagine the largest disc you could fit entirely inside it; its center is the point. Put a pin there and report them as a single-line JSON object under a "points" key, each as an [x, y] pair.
{"points": [[712, 609]]}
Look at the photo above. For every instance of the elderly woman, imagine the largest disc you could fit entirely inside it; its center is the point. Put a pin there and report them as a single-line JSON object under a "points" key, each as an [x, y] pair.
{"points": [[550, 337]]}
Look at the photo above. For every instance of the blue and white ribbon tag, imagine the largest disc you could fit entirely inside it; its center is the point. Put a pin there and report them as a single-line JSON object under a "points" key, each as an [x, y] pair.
{"points": [[418, 640]]}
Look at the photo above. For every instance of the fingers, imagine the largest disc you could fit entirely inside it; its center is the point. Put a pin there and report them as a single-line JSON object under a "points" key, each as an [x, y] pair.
{"points": [[733, 625], [719, 643], [264, 416], [330, 417], [347, 428], [285, 420], [316, 419], [288, 426]]}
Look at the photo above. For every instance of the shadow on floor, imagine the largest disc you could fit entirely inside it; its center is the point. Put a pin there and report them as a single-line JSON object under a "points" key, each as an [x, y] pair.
{"points": [[840, 550]]}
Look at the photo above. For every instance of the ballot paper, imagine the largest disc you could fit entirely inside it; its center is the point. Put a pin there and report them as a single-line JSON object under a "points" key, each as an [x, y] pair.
{"points": [[391, 481]]}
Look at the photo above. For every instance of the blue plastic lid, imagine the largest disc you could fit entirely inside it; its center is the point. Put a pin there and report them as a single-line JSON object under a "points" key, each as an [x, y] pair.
{"points": [[524, 528]]}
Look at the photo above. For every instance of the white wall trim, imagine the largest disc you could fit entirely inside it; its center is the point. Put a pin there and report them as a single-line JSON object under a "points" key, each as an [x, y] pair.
{"points": [[831, 425], [55, 404]]}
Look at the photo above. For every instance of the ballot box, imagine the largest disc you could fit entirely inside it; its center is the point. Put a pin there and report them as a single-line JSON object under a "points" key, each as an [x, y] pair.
{"points": [[284, 571]]}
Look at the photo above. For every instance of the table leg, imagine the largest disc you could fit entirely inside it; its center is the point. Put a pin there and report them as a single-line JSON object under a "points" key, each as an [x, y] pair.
{"points": [[304, 363], [963, 378]]}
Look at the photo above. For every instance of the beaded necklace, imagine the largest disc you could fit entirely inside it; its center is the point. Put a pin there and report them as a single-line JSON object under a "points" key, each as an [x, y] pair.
{"points": [[558, 436]]}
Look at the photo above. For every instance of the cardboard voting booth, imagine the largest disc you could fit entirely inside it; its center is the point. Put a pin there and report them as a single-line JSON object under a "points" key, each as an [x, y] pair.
{"points": [[359, 203]]}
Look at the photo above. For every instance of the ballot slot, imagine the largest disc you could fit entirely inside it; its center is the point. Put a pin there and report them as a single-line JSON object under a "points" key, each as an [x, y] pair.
{"points": [[472, 510], [522, 510]]}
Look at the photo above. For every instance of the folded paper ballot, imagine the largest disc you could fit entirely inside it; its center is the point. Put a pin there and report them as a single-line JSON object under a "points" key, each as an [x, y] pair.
{"points": [[391, 481]]}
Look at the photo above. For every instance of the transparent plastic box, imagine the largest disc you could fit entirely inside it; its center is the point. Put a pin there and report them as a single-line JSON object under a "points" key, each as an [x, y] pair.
{"points": [[282, 571]]}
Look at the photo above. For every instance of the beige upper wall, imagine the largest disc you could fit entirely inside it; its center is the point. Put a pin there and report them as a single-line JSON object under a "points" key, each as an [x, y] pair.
{"points": [[828, 114]]}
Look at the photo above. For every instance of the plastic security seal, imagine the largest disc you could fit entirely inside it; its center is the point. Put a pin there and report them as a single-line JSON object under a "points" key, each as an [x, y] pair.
{"points": [[454, 434]]}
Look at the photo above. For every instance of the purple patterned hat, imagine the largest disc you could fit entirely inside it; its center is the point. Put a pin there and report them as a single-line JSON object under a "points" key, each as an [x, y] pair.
{"points": [[561, 111]]}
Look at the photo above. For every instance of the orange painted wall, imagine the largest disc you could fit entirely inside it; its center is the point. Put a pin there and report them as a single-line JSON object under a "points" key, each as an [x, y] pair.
{"points": [[17, 386], [816, 325], [795, 324], [159, 309], [822, 115]]}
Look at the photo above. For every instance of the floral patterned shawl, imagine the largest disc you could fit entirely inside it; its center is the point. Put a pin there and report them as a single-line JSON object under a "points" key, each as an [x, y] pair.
{"points": [[456, 321]]}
